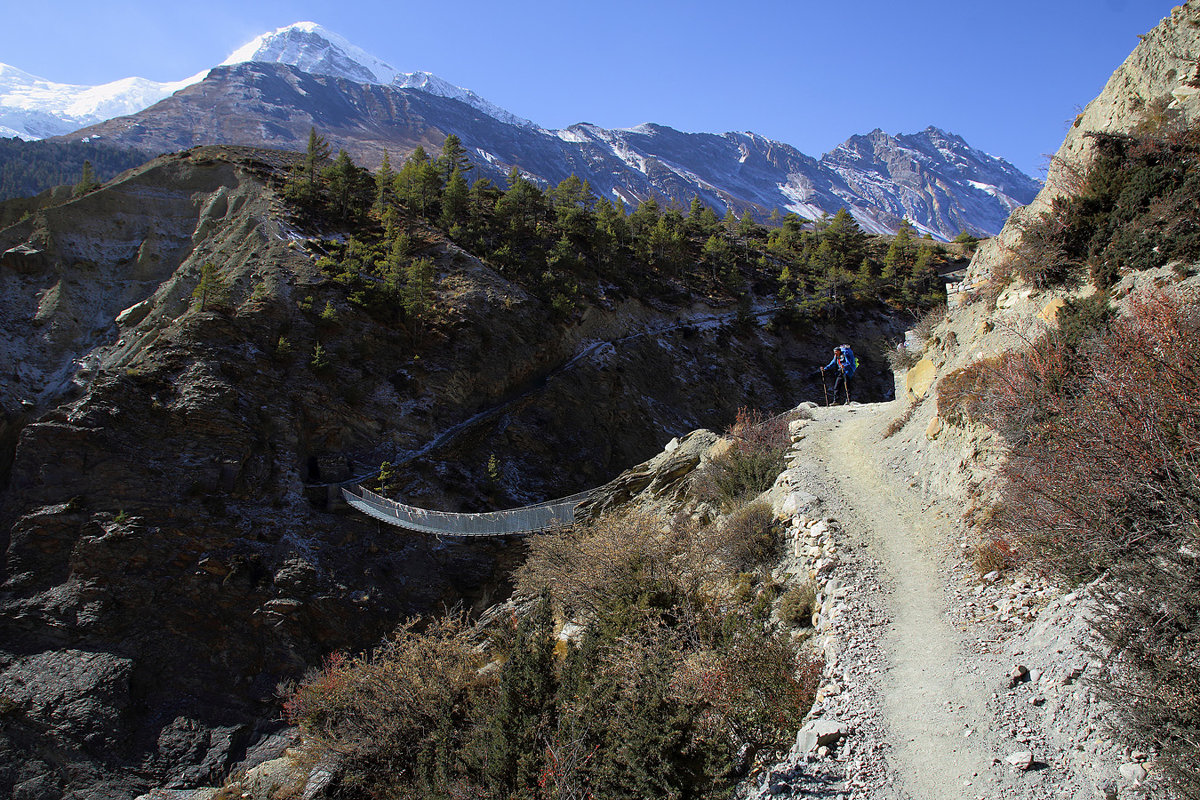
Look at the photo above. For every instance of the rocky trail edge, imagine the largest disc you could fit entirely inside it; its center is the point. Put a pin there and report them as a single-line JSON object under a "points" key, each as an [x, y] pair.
{"points": [[920, 681]]}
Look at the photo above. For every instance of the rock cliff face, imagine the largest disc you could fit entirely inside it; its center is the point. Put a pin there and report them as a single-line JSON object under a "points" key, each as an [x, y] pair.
{"points": [[1159, 83], [172, 548]]}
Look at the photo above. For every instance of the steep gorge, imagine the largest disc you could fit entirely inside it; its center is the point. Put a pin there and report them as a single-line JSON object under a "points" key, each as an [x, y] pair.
{"points": [[172, 548]]}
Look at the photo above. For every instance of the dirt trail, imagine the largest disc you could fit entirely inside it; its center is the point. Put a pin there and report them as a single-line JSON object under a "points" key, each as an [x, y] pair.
{"points": [[934, 704]]}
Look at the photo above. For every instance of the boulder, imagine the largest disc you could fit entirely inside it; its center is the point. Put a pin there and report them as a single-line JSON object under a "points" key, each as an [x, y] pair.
{"points": [[918, 379], [819, 733], [795, 503], [1049, 312], [1135, 773]]}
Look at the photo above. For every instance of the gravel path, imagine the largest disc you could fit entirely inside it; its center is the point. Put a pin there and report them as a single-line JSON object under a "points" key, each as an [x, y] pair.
{"points": [[934, 705], [940, 684]]}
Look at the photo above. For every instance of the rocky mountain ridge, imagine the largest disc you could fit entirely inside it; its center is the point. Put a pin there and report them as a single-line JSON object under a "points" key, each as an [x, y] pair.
{"points": [[934, 179]]}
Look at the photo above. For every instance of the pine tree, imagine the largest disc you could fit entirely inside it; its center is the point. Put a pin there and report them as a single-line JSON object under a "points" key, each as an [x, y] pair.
{"points": [[573, 201], [562, 258], [493, 470], [787, 291], [864, 280], [417, 180], [746, 225], [212, 287], [454, 156], [454, 200], [846, 239], [524, 715], [416, 298], [320, 359], [644, 217], [349, 187], [718, 255], [898, 262], [385, 188], [87, 180], [387, 477], [316, 156]]}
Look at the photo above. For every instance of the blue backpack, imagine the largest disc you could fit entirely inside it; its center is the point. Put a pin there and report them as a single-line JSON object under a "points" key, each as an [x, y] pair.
{"points": [[847, 360]]}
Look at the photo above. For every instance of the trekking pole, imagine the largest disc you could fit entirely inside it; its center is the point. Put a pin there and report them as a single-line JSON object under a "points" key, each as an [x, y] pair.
{"points": [[823, 386]]}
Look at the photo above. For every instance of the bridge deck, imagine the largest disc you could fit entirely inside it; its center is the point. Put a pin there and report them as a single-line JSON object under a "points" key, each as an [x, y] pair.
{"points": [[529, 519]]}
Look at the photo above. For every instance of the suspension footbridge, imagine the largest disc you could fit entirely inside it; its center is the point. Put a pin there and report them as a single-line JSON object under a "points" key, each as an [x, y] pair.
{"points": [[550, 515]]}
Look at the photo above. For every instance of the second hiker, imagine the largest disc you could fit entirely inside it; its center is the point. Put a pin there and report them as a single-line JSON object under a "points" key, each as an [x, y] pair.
{"points": [[846, 363]]}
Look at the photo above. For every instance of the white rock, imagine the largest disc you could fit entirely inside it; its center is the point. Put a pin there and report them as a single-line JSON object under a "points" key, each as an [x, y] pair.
{"points": [[1133, 772], [819, 733], [1022, 759]]}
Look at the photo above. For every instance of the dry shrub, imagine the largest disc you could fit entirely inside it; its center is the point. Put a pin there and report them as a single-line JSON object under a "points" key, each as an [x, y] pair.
{"points": [[1104, 477], [1013, 392], [750, 693], [746, 539], [1109, 464], [995, 555], [377, 715], [1041, 257], [798, 604], [902, 359], [925, 326], [1000, 278], [750, 466], [616, 557], [896, 425]]}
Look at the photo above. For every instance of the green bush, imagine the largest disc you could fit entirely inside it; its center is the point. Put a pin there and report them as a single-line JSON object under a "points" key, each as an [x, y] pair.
{"points": [[798, 605], [750, 466]]}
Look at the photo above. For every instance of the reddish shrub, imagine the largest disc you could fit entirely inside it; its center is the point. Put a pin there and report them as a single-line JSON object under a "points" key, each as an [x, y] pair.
{"points": [[1103, 476]]}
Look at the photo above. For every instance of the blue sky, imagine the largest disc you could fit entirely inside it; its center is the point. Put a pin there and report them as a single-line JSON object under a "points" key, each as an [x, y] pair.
{"points": [[1006, 76]]}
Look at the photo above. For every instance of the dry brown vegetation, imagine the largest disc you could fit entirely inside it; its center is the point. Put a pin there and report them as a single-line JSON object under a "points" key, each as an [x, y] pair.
{"points": [[679, 684], [1103, 478], [750, 466]]}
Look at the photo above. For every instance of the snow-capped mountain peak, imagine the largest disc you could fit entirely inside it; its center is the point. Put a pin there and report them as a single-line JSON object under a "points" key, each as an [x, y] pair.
{"points": [[34, 108], [428, 82], [313, 49], [319, 51]]}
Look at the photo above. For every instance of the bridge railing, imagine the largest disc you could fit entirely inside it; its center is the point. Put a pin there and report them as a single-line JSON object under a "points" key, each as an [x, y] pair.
{"points": [[528, 519]]}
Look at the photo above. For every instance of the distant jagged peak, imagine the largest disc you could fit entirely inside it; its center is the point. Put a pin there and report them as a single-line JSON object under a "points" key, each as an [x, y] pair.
{"points": [[312, 48], [428, 82]]}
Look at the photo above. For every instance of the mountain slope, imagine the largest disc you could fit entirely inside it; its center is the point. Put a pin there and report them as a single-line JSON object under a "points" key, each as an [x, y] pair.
{"points": [[173, 538]]}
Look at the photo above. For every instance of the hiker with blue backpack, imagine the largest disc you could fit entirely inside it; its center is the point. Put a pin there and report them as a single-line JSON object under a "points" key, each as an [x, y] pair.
{"points": [[846, 363]]}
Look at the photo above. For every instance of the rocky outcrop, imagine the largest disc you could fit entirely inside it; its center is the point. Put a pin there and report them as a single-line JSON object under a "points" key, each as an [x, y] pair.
{"points": [[1158, 84]]}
